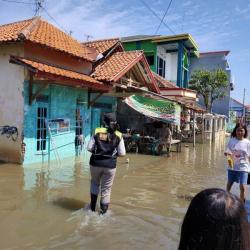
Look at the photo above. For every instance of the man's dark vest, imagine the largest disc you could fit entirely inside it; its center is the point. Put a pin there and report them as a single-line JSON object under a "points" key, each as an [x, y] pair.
{"points": [[105, 151]]}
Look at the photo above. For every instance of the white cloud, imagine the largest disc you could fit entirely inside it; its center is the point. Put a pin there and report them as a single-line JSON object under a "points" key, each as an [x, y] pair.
{"points": [[98, 19], [214, 40], [104, 19], [243, 12], [187, 4]]}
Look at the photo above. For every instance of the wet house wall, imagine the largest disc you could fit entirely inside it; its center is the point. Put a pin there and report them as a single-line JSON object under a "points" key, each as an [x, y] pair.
{"points": [[12, 103], [44, 82]]}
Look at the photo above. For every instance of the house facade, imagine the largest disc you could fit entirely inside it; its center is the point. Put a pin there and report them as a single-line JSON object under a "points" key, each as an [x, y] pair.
{"points": [[237, 107], [54, 90], [44, 93], [168, 56]]}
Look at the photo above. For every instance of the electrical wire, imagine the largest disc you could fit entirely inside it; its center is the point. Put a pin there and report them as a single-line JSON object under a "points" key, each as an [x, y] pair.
{"points": [[54, 20], [157, 16], [11, 1], [163, 16], [41, 7]]}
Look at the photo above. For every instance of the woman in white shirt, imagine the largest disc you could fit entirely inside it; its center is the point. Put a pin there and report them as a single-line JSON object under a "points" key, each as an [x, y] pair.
{"points": [[238, 154]]}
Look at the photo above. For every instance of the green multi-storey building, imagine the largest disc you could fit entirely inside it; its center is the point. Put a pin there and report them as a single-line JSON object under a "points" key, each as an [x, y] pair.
{"points": [[168, 56]]}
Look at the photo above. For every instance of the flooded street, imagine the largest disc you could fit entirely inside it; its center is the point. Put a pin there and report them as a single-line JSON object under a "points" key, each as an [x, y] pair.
{"points": [[41, 206]]}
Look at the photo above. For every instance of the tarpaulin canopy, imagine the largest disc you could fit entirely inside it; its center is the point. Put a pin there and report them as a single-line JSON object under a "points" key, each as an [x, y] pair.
{"points": [[163, 110]]}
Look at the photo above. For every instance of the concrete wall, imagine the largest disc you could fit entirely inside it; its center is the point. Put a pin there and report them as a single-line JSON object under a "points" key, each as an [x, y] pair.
{"points": [[11, 102], [209, 62], [58, 106]]}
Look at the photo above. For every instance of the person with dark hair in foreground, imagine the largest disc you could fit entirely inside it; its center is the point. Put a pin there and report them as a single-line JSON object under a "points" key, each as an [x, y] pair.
{"points": [[215, 220], [238, 153], [105, 146]]}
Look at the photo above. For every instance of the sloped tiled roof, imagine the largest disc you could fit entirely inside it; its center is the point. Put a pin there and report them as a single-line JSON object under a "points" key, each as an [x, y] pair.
{"points": [[102, 45], [10, 32], [116, 64], [163, 82], [41, 68], [41, 32]]}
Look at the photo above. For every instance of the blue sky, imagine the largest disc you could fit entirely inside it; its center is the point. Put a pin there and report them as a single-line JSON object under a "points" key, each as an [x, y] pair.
{"points": [[214, 24]]}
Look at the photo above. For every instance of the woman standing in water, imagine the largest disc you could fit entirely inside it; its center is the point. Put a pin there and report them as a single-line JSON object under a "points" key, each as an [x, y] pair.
{"points": [[238, 155]]}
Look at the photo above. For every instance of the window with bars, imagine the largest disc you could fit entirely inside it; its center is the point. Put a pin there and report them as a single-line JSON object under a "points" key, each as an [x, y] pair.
{"points": [[41, 128]]}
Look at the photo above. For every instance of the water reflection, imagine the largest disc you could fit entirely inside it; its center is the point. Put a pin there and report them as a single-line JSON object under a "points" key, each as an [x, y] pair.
{"points": [[69, 203], [45, 207], [11, 186]]}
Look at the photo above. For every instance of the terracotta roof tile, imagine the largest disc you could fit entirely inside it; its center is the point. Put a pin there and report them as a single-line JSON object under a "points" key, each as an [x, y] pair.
{"points": [[114, 65], [9, 32], [163, 82], [39, 31], [49, 69], [102, 45]]}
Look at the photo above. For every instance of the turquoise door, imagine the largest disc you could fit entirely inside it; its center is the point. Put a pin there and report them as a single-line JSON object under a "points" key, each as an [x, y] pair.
{"points": [[95, 119]]}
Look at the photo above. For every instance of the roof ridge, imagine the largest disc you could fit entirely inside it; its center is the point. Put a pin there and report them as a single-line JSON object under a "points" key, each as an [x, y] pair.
{"points": [[40, 31], [25, 32], [234, 99], [25, 20], [101, 40], [68, 36]]}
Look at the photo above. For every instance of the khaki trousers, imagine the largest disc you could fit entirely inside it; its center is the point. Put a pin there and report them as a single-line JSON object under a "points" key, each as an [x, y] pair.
{"points": [[104, 177]]}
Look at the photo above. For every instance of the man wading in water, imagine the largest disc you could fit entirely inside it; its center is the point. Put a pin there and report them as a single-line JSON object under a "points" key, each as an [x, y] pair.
{"points": [[105, 146]]}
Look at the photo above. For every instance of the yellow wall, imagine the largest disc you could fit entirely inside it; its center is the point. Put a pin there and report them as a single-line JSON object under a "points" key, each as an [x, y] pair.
{"points": [[11, 101]]}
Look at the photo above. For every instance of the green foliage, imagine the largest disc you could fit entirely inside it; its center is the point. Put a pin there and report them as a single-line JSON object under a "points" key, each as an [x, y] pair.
{"points": [[212, 85]]}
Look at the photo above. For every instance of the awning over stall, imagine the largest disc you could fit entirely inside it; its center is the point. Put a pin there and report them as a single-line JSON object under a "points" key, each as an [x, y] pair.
{"points": [[163, 110]]}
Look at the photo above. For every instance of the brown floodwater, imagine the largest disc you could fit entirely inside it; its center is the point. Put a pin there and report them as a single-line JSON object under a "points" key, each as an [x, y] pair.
{"points": [[45, 207]]}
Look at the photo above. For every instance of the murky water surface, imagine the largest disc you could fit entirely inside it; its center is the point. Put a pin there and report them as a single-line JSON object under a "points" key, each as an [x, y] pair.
{"points": [[45, 207]]}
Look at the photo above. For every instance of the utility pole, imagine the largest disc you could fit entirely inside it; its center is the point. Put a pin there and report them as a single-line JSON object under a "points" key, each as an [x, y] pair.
{"points": [[38, 7], [244, 110], [194, 125], [88, 37]]}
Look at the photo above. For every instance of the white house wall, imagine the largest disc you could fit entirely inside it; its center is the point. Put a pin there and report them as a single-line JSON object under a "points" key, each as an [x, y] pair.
{"points": [[11, 102], [171, 63]]}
